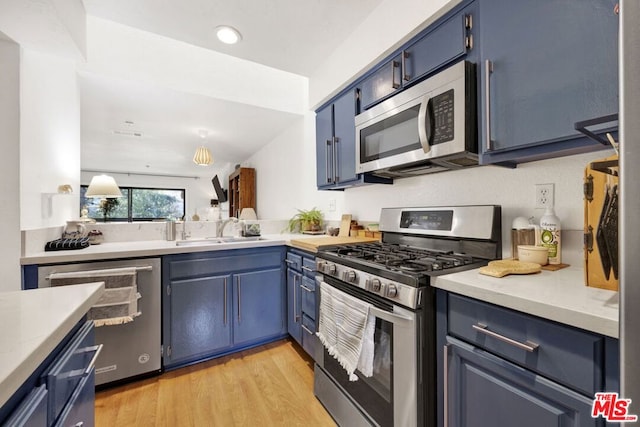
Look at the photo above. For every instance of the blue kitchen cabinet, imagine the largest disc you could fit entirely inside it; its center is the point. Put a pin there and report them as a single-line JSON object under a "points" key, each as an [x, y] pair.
{"points": [[502, 367], [336, 145], [303, 301], [544, 66], [487, 391], [447, 40], [220, 302], [61, 391], [200, 317], [259, 306], [294, 295]]}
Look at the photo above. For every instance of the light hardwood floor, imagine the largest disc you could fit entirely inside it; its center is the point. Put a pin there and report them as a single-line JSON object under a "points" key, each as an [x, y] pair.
{"points": [[271, 385]]}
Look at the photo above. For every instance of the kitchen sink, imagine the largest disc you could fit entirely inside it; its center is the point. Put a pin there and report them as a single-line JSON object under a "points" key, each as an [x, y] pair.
{"points": [[217, 240]]}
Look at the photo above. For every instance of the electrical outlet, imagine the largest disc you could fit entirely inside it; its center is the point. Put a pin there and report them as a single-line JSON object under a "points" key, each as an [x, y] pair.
{"points": [[544, 195], [332, 205]]}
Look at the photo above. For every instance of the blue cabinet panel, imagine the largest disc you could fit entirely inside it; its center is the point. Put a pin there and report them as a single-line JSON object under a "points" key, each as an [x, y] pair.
{"points": [[383, 82], [581, 352], [554, 62], [259, 306], [80, 411], [344, 113], [294, 294], [308, 291], [200, 317], [445, 42], [485, 391], [324, 146], [32, 411]]}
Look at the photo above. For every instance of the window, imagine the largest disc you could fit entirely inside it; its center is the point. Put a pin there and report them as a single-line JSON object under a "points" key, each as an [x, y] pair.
{"points": [[138, 204]]}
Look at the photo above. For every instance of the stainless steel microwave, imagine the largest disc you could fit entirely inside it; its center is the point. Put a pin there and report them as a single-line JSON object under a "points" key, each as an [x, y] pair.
{"points": [[427, 128]]}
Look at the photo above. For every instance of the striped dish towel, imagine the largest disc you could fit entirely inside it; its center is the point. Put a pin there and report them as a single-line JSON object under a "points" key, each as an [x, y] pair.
{"points": [[346, 330]]}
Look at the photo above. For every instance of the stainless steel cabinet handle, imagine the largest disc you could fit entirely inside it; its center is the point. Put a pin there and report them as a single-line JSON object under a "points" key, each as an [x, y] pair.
{"points": [[307, 330], [445, 383], [488, 69], [92, 363], [405, 74], [224, 310], [310, 270], [394, 65], [336, 178], [528, 346], [239, 298], [326, 164], [289, 262], [307, 289]]}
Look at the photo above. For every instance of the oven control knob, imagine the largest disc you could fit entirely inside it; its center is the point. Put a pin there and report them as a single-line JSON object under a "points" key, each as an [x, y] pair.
{"points": [[350, 276], [320, 265], [331, 268], [392, 290], [376, 285]]}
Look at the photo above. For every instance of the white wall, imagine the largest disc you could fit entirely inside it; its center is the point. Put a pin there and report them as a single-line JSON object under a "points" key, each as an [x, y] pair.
{"points": [[49, 139], [10, 164]]}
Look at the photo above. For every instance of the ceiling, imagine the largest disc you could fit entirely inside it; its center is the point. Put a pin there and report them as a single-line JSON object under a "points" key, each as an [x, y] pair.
{"points": [[289, 35]]}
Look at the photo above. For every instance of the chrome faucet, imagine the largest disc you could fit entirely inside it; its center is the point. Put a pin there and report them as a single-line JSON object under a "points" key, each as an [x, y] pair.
{"points": [[220, 225]]}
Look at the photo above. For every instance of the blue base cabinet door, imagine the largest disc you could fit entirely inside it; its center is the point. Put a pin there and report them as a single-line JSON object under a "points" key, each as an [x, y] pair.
{"points": [[554, 63], [294, 304], [482, 390], [200, 317], [259, 310]]}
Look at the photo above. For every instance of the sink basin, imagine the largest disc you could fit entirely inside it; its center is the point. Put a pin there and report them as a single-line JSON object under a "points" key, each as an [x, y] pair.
{"points": [[216, 240]]}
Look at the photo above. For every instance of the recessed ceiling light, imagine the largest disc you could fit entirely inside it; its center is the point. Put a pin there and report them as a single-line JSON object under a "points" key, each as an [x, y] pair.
{"points": [[228, 35]]}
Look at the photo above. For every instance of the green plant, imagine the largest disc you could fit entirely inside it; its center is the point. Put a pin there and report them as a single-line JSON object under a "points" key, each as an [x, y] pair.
{"points": [[107, 206], [306, 220]]}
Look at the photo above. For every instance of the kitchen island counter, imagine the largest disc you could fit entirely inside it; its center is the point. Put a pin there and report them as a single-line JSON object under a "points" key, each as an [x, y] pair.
{"points": [[555, 295], [35, 322]]}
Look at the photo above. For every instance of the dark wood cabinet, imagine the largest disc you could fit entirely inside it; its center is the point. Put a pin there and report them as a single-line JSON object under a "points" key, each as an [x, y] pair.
{"points": [[242, 190]]}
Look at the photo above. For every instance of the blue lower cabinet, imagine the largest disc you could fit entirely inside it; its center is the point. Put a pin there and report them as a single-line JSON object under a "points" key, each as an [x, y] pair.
{"points": [[61, 391], [219, 302], [294, 304], [201, 317], [32, 412], [486, 391], [259, 306]]}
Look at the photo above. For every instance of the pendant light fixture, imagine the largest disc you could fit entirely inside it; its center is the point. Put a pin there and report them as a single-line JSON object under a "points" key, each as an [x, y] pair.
{"points": [[203, 156]]}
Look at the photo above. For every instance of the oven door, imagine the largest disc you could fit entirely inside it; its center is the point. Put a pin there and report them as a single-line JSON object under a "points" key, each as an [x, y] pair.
{"points": [[392, 394]]}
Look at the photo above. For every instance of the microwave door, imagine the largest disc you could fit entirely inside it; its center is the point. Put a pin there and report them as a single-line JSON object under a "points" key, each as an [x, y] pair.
{"points": [[426, 123]]}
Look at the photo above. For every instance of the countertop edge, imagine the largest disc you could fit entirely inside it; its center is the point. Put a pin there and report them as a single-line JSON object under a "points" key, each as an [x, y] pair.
{"points": [[15, 379], [550, 309]]}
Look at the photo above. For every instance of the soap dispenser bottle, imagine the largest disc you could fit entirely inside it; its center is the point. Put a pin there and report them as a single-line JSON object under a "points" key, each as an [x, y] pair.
{"points": [[550, 235]]}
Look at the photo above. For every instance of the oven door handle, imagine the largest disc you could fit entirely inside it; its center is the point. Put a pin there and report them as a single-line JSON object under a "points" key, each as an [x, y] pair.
{"points": [[399, 319]]}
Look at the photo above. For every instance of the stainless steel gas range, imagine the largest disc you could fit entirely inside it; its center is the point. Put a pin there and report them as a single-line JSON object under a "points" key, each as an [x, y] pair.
{"points": [[393, 276]]}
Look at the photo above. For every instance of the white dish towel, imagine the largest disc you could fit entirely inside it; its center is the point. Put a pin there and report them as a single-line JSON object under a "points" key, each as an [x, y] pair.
{"points": [[346, 329]]}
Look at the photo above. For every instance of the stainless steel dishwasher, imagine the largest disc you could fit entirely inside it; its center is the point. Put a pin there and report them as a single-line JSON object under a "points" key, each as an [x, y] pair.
{"points": [[130, 349]]}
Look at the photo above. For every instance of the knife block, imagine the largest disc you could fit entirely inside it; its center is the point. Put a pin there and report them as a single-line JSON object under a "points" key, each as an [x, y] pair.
{"points": [[601, 223]]}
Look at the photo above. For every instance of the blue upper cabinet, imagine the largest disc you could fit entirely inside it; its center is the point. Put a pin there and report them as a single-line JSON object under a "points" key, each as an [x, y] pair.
{"points": [[445, 41], [544, 66], [336, 145]]}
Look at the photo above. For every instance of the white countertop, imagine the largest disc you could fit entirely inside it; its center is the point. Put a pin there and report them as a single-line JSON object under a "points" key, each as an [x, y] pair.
{"points": [[145, 248], [556, 295], [34, 322]]}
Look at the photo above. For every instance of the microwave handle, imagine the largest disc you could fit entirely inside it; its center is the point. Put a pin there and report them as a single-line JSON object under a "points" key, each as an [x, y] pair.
{"points": [[425, 108]]}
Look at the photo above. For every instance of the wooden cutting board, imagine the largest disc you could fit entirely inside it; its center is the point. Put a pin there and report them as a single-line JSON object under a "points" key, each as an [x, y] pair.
{"points": [[501, 268], [345, 225], [314, 243]]}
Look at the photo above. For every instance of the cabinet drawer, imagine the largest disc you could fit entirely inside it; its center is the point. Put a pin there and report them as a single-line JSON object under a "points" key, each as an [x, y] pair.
{"points": [[309, 267], [32, 411], [294, 261], [81, 408], [193, 266], [72, 366], [310, 342], [565, 354], [309, 297]]}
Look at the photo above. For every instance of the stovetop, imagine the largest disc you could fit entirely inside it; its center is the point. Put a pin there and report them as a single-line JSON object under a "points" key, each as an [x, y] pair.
{"points": [[404, 264]]}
